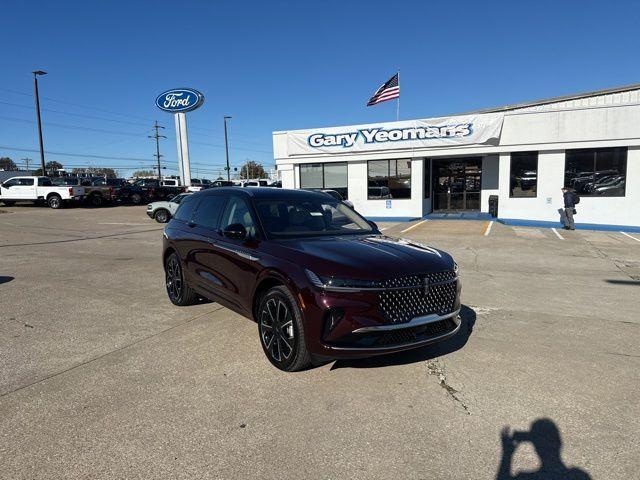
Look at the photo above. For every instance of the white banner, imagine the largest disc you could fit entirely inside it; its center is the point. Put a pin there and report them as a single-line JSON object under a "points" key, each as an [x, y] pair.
{"points": [[429, 133]]}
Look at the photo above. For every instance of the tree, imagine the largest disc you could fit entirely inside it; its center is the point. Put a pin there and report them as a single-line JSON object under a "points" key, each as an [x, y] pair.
{"points": [[252, 169], [7, 164], [52, 166], [144, 173]]}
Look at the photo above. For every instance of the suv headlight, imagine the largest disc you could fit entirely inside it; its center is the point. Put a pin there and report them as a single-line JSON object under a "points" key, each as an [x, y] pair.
{"points": [[333, 283]]}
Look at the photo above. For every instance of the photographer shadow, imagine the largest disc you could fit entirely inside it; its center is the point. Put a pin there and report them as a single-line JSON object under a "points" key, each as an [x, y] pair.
{"points": [[459, 340], [546, 440]]}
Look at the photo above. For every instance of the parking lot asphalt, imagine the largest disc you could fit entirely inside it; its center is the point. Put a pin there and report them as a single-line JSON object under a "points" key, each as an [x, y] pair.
{"points": [[102, 377]]}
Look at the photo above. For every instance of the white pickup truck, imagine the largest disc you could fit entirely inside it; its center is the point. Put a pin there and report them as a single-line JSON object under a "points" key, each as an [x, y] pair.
{"points": [[38, 189]]}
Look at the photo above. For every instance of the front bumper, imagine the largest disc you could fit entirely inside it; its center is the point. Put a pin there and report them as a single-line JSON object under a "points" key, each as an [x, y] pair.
{"points": [[150, 213], [362, 329]]}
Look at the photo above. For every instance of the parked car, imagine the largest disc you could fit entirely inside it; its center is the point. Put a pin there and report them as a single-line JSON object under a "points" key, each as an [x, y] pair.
{"points": [[222, 183], [162, 211], [38, 189], [336, 195], [131, 193], [321, 281], [96, 190], [154, 190]]}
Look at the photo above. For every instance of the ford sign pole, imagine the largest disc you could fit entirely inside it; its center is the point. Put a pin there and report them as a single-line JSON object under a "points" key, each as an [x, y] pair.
{"points": [[179, 101], [37, 95]]}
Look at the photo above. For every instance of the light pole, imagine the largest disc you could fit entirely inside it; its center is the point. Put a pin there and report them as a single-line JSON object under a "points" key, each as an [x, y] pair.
{"points": [[226, 147], [35, 86], [157, 136]]}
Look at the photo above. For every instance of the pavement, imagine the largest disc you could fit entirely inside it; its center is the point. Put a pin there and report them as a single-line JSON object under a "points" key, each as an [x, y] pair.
{"points": [[102, 377]]}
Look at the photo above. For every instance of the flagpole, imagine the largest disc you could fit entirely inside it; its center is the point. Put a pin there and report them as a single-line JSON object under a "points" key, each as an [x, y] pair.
{"points": [[398, 104]]}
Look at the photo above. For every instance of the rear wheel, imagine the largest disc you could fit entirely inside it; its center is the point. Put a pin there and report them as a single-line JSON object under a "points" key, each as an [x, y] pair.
{"points": [[282, 331], [179, 292], [136, 199], [96, 200], [54, 201], [162, 216]]}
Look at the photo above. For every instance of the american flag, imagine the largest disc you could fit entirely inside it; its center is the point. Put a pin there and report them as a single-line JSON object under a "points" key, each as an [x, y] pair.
{"points": [[388, 91]]}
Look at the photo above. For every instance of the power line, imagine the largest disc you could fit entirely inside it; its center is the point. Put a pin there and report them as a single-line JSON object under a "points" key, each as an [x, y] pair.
{"points": [[157, 136]]}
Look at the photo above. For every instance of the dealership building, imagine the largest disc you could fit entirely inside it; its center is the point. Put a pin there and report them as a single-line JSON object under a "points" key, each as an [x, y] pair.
{"points": [[457, 166]]}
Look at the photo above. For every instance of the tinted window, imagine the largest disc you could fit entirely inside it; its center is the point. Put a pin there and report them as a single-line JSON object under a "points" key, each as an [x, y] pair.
{"points": [[27, 182], [186, 208], [10, 183], [237, 212], [325, 175], [208, 212], [389, 179], [44, 182], [524, 174], [313, 216], [597, 172]]}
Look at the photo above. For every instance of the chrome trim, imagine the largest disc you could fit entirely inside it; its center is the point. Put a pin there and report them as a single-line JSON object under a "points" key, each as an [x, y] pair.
{"points": [[240, 253], [384, 289], [406, 345], [415, 322]]}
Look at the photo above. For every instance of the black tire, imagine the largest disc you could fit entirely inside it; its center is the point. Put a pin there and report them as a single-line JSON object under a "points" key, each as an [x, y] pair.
{"points": [[54, 201], [281, 331], [136, 199], [96, 200], [179, 292], [8, 203], [162, 215]]}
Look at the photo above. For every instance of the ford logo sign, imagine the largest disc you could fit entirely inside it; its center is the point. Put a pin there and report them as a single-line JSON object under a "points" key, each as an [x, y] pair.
{"points": [[179, 100]]}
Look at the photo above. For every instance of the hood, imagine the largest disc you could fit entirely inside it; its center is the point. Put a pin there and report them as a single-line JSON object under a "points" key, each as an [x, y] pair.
{"points": [[374, 257]]}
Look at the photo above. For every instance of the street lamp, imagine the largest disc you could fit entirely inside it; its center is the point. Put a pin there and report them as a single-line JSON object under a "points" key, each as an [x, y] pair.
{"points": [[226, 146], [35, 86]]}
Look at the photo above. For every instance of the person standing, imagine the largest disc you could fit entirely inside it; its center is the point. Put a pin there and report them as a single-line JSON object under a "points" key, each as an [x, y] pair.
{"points": [[569, 208]]}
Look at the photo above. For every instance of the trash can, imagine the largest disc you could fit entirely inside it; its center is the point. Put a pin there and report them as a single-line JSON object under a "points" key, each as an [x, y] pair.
{"points": [[493, 205]]}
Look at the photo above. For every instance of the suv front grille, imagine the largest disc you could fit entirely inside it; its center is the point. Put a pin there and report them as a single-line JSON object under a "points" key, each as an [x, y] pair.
{"points": [[408, 297]]}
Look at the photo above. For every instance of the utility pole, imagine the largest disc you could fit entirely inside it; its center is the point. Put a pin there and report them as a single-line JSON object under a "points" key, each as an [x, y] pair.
{"points": [[226, 147], [157, 136], [35, 87], [26, 161]]}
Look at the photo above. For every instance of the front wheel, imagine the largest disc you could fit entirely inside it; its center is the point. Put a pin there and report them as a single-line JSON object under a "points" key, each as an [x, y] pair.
{"points": [[96, 200], [177, 288], [282, 331], [162, 216], [136, 199], [54, 201]]}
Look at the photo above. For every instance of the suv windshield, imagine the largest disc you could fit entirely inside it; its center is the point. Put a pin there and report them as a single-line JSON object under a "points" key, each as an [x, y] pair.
{"points": [[303, 217]]}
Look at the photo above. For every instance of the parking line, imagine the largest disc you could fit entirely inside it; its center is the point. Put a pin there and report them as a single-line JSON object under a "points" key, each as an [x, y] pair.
{"points": [[625, 233], [487, 229], [557, 234], [412, 226]]}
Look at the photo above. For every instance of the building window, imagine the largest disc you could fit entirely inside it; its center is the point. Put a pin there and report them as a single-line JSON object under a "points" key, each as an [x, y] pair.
{"points": [[427, 177], [329, 176], [524, 175], [597, 172], [389, 179]]}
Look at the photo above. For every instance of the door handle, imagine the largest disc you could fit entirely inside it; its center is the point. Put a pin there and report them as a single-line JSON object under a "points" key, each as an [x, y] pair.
{"points": [[238, 252]]}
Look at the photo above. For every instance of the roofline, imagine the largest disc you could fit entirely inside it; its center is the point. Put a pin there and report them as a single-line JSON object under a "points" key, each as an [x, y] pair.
{"points": [[546, 101], [506, 108]]}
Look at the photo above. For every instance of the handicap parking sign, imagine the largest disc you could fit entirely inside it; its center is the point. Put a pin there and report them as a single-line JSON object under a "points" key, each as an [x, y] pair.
{"points": [[388, 203]]}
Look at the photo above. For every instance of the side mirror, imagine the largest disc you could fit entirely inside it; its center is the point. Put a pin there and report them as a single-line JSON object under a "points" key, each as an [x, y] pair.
{"points": [[5, 186], [235, 231]]}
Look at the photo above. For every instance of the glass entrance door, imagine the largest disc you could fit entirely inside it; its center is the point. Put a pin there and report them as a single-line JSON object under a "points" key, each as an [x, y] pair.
{"points": [[456, 184]]}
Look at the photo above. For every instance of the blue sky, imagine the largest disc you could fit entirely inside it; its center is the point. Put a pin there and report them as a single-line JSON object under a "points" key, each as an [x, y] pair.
{"points": [[285, 65]]}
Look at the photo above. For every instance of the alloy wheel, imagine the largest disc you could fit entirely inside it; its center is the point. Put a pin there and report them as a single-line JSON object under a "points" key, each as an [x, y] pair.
{"points": [[276, 329], [174, 278], [161, 216]]}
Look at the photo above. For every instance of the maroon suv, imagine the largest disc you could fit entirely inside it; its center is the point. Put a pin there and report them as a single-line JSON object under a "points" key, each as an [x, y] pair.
{"points": [[320, 280]]}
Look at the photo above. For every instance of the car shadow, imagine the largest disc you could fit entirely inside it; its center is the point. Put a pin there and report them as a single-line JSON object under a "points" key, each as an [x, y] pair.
{"points": [[468, 317], [624, 282], [544, 435], [5, 279]]}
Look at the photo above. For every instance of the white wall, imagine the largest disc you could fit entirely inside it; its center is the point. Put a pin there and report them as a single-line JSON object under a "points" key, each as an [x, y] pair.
{"points": [[544, 207], [358, 193]]}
